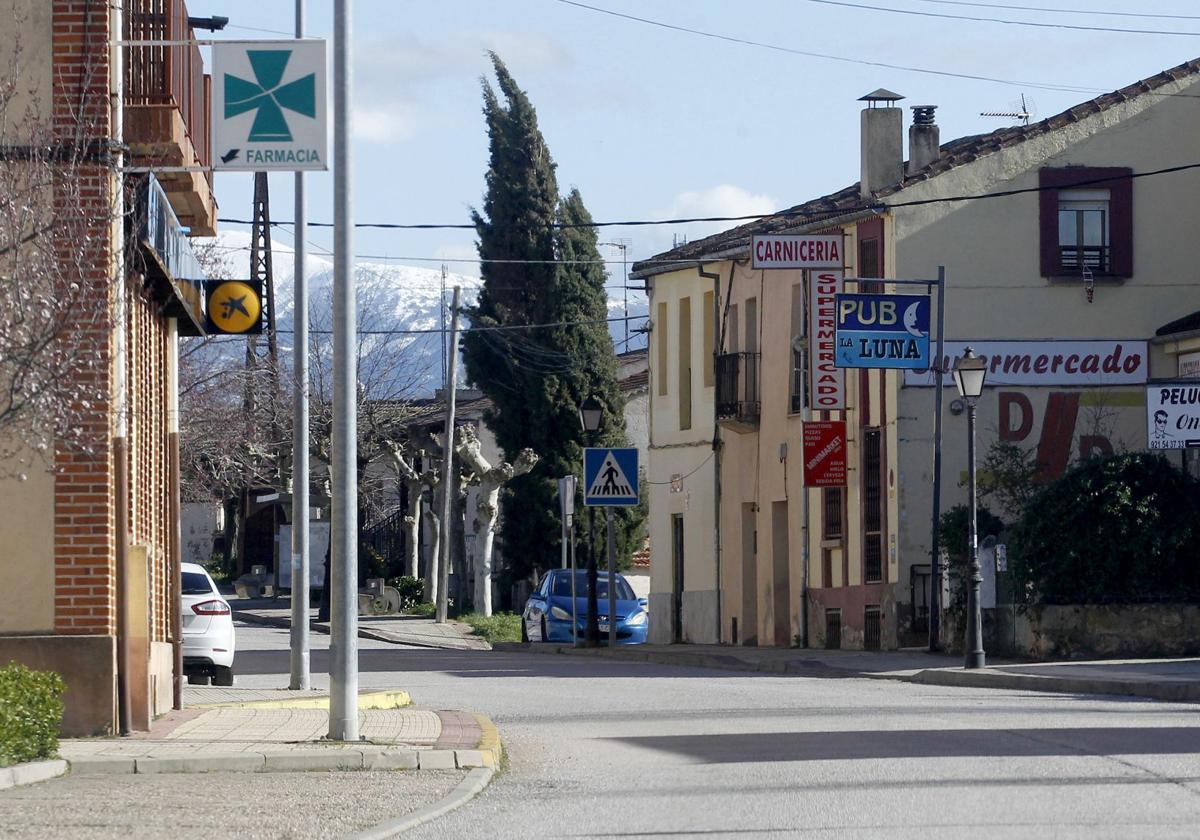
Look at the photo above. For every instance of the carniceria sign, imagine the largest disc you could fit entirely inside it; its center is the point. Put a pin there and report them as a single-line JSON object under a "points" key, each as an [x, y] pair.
{"points": [[269, 107]]}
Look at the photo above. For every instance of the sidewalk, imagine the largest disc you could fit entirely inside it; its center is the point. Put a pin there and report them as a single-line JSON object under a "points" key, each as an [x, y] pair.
{"points": [[263, 731], [416, 631], [1175, 680]]}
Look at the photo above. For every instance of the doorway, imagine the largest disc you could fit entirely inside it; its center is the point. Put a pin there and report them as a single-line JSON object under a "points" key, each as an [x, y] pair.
{"points": [[677, 577], [749, 575]]}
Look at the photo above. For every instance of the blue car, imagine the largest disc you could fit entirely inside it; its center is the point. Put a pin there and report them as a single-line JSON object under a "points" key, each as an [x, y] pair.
{"points": [[547, 615]]}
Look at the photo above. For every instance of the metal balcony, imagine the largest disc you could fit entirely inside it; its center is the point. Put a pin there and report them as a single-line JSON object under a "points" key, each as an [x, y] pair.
{"points": [[167, 101], [738, 403]]}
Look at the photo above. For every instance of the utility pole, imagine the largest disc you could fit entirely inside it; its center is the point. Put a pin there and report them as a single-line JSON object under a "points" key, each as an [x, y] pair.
{"points": [[343, 700], [300, 677], [448, 482]]}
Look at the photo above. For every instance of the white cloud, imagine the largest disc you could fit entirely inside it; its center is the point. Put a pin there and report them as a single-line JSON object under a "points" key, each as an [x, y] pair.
{"points": [[723, 200], [384, 124], [395, 76], [459, 252]]}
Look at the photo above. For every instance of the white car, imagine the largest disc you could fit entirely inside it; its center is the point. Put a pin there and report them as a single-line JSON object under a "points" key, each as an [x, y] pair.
{"points": [[208, 642]]}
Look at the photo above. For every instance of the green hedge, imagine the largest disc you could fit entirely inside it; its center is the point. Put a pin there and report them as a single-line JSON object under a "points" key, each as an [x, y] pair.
{"points": [[1123, 529], [31, 711]]}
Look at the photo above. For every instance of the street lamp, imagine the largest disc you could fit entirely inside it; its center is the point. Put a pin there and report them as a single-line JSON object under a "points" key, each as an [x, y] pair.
{"points": [[590, 415], [969, 373]]}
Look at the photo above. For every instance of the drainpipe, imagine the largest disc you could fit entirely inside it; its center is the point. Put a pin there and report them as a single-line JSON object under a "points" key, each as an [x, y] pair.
{"points": [[176, 584], [715, 276], [120, 374]]}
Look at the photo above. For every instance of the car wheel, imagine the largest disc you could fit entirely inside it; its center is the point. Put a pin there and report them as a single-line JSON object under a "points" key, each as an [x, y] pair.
{"points": [[198, 679], [524, 630], [223, 676], [545, 632]]}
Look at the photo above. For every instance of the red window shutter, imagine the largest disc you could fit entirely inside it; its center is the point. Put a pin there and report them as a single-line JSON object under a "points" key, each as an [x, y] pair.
{"points": [[1048, 223], [1120, 223]]}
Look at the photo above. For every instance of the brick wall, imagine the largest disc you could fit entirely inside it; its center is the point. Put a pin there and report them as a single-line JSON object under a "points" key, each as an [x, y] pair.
{"points": [[85, 585], [148, 457]]}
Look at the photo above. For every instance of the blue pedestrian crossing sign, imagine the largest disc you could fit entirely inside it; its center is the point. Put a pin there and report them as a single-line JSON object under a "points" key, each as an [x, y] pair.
{"points": [[610, 477]]}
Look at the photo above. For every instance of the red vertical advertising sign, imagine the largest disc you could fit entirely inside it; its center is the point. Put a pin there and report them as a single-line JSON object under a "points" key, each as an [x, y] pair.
{"points": [[825, 453], [827, 382]]}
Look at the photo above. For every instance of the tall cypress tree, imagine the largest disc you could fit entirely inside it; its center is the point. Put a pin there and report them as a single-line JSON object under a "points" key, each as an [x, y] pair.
{"points": [[537, 377]]}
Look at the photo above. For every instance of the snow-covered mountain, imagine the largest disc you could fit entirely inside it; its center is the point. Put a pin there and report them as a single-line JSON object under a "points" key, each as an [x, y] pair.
{"points": [[400, 313]]}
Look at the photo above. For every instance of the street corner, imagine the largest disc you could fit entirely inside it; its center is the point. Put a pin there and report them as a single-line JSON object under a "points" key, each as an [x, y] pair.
{"points": [[280, 699], [31, 772], [489, 747]]}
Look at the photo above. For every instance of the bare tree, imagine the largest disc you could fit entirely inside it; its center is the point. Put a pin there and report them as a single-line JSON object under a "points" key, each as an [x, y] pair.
{"points": [[389, 376], [55, 319], [490, 479]]}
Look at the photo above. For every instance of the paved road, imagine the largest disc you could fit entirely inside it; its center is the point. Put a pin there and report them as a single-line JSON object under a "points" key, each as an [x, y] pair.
{"points": [[603, 749]]}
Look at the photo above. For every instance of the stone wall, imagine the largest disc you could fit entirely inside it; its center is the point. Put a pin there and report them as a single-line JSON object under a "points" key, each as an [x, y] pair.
{"points": [[1054, 632], [1085, 632]]}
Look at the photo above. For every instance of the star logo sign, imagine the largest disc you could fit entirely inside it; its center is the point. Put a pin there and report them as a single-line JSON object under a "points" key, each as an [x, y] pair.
{"points": [[269, 97]]}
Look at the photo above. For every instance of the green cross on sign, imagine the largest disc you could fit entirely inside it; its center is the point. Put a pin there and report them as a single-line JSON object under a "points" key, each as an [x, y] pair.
{"points": [[268, 97]]}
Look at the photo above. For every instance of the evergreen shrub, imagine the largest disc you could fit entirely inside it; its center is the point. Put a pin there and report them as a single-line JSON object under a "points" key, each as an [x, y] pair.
{"points": [[31, 711]]}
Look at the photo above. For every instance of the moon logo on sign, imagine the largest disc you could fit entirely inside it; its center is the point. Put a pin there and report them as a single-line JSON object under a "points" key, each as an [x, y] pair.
{"points": [[910, 319]]}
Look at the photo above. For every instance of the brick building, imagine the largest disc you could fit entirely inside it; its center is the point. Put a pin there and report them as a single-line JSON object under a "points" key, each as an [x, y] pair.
{"points": [[89, 541]]}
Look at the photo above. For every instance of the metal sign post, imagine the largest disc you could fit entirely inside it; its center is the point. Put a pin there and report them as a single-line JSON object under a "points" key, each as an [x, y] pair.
{"points": [[343, 678], [566, 503], [610, 479], [299, 660]]}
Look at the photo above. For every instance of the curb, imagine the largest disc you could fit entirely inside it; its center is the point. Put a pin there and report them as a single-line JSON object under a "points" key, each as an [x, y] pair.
{"points": [[295, 761], [467, 790], [31, 772], [366, 700], [688, 660], [321, 627], [984, 678]]}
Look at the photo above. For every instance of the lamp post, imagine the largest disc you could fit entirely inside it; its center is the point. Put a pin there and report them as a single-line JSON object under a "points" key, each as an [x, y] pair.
{"points": [[590, 414], [969, 374]]}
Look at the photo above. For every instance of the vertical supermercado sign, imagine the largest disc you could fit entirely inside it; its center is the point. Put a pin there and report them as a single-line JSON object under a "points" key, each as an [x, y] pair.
{"points": [[827, 382]]}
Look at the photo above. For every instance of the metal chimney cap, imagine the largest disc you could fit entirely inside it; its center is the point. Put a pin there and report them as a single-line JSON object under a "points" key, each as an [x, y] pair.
{"points": [[880, 95], [923, 114]]}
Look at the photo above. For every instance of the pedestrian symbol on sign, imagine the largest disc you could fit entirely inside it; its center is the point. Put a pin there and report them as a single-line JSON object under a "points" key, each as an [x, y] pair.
{"points": [[610, 476]]}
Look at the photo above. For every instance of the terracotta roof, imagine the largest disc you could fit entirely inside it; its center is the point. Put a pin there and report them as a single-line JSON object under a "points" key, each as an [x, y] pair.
{"points": [[953, 154], [634, 381]]}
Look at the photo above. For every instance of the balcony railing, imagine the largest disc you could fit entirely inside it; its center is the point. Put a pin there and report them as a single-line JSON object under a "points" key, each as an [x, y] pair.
{"points": [[737, 388], [168, 97], [1078, 259], [168, 75]]}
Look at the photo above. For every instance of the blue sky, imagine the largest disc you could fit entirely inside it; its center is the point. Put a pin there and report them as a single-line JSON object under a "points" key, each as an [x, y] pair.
{"points": [[654, 123]]}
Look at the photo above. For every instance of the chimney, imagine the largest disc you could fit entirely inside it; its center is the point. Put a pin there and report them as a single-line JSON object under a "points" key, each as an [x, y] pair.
{"points": [[882, 141], [924, 139]]}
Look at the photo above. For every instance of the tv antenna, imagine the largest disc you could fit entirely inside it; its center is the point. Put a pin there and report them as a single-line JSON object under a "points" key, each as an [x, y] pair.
{"points": [[1023, 114]]}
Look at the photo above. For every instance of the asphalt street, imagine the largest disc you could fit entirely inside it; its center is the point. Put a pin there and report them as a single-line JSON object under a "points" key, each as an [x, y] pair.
{"points": [[604, 749]]}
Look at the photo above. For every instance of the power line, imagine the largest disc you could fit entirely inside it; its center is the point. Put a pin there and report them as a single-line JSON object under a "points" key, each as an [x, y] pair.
{"points": [[1088, 12], [827, 56], [495, 328], [794, 213], [974, 18], [390, 257]]}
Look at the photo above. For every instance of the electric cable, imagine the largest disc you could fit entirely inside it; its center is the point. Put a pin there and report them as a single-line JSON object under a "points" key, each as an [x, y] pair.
{"points": [[796, 213], [827, 56], [1087, 12], [976, 19]]}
